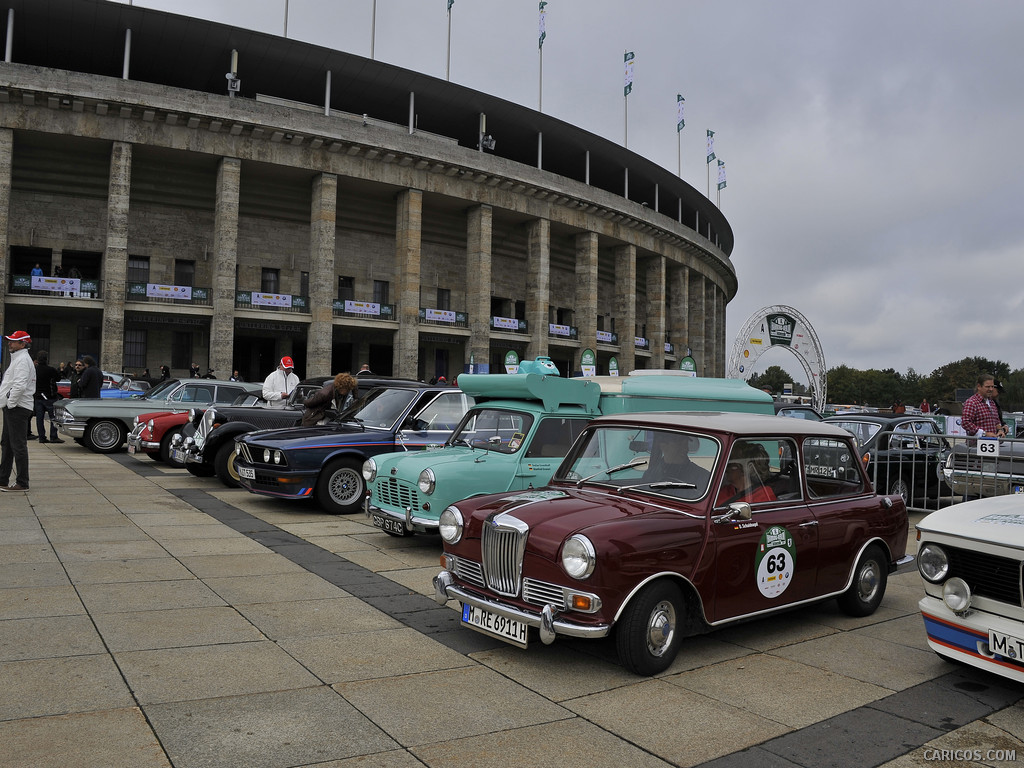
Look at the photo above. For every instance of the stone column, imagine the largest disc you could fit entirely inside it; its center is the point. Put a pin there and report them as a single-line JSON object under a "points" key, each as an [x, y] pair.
{"points": [[695, 311], [710, 329], [408, 239], [6, 158], [323, 218], [678, 328], [656, 310], [478, 283], [538, 286], [585, 303], [625, 306], [115, 257], [225, 256]]}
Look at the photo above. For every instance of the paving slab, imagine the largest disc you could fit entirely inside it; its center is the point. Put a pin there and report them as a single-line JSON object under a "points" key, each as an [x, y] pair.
{"points": [[176, 628]]}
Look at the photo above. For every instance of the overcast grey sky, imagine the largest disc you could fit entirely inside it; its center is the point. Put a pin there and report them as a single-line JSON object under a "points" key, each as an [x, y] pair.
{"points": [[874, 150]]}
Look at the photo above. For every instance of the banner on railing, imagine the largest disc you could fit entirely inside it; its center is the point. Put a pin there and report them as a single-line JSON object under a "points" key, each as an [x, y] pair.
{"points": [[440, 315], [362, 307], [605, 337], [160, 291], [559, 330], [271, 299], [71, 285], [505, 323]]}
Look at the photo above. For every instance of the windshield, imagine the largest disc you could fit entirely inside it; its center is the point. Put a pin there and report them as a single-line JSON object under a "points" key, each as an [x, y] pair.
{"points": [[380, 407], [863, 431], [662, 461], [161, 390], [493, 429]]}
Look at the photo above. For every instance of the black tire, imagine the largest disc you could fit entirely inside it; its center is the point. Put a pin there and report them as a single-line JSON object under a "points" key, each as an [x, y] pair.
{"points": [[649, 631], [224, 465], [340, 487], [868, 587], [105, 435], [199, 470], [165, 449]]}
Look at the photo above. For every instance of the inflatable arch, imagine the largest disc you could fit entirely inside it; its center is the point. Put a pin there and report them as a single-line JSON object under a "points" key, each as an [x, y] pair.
{"points": [[780, 326]]}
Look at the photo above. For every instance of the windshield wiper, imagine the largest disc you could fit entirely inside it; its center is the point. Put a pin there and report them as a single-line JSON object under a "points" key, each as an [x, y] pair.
{"points": [[658, 485], [637, 462]]}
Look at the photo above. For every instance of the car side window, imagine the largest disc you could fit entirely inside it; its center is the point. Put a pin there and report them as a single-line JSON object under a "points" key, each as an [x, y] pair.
{"points": [[554, 436], [444, 413], [197, 394], [227, 394], [831, 468]]}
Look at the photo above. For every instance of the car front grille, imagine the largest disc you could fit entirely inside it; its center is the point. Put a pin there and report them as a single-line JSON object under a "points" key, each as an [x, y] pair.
{"points": [[391, 492], [997, 578], [536, 592], [502, 544]]}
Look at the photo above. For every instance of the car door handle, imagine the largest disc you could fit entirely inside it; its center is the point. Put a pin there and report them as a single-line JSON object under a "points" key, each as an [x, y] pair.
{"points": [[808, 524]]}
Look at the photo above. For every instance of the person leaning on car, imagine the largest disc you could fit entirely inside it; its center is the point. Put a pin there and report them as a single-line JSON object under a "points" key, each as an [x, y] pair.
{"points": [[981, 414], [336, 393]]}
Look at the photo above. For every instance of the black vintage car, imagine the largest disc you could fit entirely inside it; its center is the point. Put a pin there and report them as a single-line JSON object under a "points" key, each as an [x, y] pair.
{"points": [[325, 462], [207, 442], [900, 453]]}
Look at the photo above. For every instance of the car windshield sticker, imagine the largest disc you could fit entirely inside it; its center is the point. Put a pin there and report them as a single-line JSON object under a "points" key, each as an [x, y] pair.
{"points": [[1002, 519], [516, 441], [776, 559]]}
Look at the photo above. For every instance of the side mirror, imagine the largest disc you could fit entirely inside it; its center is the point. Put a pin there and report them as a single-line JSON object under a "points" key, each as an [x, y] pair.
{"points": [[738, 510]]}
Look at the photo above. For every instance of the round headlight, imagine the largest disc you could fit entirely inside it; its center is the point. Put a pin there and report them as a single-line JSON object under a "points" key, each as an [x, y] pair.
{"points": [[426, 481], [192, 414], [135, 421], [266, 455], [450, 525], [278, 457], [238, 449], [369, 470], [578, 556], [932, 563], [956, 595], [150, 425]]}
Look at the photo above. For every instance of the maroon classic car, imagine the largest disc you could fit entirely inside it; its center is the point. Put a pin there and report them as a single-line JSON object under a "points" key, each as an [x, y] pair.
{"points": [[663, 525], [152, 435]]}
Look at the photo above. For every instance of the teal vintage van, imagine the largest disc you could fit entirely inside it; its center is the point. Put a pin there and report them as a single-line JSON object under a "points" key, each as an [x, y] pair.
{"points": [[520, 430]]}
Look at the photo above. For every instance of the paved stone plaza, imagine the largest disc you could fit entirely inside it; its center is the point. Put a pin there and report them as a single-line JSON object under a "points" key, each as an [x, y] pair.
{"points": [[150, 618]]}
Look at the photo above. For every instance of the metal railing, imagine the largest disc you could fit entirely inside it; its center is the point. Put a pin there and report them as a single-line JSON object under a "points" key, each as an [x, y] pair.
{"points": [[88, 288], [168, 294], [930, 471], [444, 317], [364, 310], [276, 302]]}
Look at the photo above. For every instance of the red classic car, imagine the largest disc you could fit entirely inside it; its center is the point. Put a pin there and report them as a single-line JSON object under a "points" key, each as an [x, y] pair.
{"points": [[659, 526], [152, 434]]}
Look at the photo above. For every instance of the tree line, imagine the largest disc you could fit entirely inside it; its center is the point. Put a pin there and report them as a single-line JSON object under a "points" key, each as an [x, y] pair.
{"points": [[882, 388]]}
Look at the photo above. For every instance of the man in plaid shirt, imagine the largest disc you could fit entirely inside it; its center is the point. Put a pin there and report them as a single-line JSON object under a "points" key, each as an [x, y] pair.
{"points": [[980, 416]]}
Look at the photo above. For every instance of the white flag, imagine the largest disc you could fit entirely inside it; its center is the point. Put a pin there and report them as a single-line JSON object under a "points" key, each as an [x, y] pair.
{"points": [[679, 112], [543, 30], [711, 146], [628, 86], [721, 175]]}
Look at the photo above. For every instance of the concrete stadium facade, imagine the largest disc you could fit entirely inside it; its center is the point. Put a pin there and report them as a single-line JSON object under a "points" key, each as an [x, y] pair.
{"points": [[296, 216]]}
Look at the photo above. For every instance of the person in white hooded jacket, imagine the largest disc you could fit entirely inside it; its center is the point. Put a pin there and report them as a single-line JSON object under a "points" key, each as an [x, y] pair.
{"points": [[280, 383], [16, 401]]}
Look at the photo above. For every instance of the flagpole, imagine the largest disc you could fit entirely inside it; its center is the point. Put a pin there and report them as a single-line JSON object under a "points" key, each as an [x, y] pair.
{"points": [[448, 63], [541, 34], [540, 83], [373, 28]]}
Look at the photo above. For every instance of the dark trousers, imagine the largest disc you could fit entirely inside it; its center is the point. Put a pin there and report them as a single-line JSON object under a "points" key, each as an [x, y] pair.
{"points": [[44, 407], [14, 445]]}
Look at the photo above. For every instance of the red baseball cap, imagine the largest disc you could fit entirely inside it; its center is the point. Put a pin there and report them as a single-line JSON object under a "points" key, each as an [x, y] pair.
{"points": [[19, 336], [287, 362]]}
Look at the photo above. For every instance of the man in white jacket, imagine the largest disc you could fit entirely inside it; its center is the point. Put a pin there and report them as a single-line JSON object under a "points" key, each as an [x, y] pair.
{"points": [[16, 401], [279, 384]]}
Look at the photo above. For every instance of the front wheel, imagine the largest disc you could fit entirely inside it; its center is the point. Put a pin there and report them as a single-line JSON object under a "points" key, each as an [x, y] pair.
{"points": [[165, 449], [868, 587], [649, 630], [340, 487], [105, 435], [224, 465]]}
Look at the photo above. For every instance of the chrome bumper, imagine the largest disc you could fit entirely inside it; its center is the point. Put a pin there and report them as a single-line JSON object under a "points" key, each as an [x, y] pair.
{"points": [[73, 429], [546, 620]]}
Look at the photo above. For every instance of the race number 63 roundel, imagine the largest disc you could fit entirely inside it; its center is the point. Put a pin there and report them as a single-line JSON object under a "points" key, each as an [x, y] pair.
{"points": [[776, 559]]}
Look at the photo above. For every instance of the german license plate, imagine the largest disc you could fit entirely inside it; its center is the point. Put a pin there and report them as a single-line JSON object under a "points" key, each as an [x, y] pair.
{"points": [[178, 455], [1005, 645], [132, 449], [387, 524], [491, 623], [247, 472]]}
